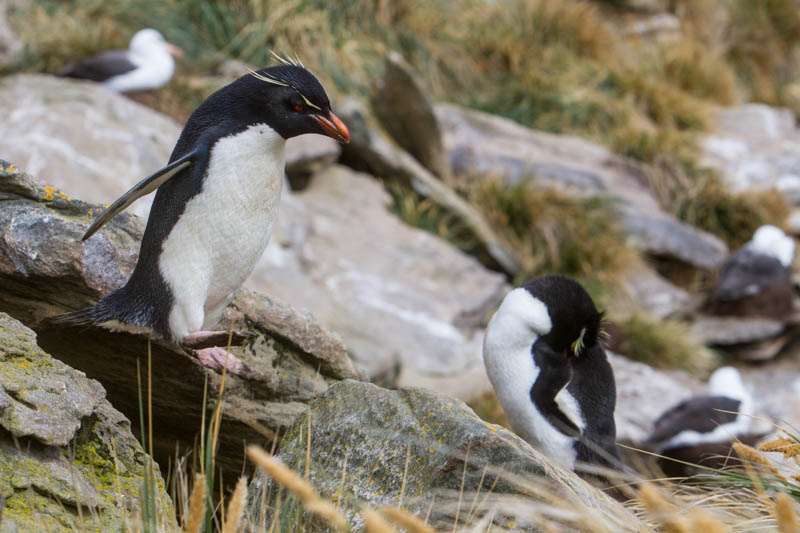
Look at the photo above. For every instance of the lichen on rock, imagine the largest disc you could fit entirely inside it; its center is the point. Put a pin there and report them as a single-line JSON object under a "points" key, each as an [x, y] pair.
{"points": [[68, 459]]}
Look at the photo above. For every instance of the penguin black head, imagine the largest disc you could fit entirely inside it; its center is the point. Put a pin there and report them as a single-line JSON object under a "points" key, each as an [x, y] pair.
{"points": [[574, 317], [287, 98]]}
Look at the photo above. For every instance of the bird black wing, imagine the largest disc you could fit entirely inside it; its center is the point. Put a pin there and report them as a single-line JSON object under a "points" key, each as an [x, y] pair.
{"points": [[748, 272], [554, 374], [100, 67], [701, 413], [146, 186]]}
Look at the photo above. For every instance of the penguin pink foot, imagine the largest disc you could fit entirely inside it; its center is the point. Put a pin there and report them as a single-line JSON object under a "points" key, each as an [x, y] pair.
{"points": [[217, 359]]}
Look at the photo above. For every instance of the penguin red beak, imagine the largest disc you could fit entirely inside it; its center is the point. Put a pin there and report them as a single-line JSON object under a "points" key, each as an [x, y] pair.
{"points": [[334, 127]]}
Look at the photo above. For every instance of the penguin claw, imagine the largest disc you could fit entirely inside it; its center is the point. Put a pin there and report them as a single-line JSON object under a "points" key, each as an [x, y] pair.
{"points": [[217, 359]]}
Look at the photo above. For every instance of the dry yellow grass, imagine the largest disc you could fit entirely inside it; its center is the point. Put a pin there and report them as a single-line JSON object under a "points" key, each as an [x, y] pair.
{"points": [[785, 514], [236, 507], [300, 487], [787, 447], [197, 505]]}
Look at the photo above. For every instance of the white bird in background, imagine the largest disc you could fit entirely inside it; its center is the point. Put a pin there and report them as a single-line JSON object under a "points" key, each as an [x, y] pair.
{"points": [[147, 64]]}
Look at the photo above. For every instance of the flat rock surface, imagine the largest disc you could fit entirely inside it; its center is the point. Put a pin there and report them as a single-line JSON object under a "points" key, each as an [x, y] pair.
{"points": [[481, 144], [756, 147], [730, 330], [81, 138], [62, 445], [428, 445], [644, 393], [396, 294]]}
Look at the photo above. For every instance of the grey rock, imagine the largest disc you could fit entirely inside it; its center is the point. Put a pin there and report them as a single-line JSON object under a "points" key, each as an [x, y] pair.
{"points": [[644, 393], [62, 445], [373, 433], [10, 44], [80, 138], [755, 147], [480, 144], [48, 399], [405, 111], [307, 155], [746, 338], [45, 270], [724, 331], [371, 150], [396, 294], [664, 236], [644, 290]]}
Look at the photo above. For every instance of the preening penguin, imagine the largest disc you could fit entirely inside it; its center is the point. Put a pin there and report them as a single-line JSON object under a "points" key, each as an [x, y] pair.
{"points": [[550, 374], [146, 64], [215, 207]]}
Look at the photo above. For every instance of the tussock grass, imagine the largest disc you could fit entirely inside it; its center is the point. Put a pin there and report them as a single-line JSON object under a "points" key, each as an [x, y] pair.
{"points": [[553, 232], [663, 343]]}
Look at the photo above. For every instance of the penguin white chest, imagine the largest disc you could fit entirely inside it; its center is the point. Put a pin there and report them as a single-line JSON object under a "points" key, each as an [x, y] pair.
{"points": [[224, 229]]}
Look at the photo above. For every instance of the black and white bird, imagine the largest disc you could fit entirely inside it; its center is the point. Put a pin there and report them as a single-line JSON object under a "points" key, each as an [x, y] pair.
{"points": [[147, 64], [760, 267], [700, 430], [550, 373], [215, 208]]}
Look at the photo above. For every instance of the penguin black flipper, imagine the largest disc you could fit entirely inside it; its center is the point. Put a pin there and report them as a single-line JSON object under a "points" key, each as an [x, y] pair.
{"points": [[554, 374], [146, 186]]}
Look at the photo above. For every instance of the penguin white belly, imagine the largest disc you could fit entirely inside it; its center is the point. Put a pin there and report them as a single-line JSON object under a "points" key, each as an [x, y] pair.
{"points": [[512, 376], [224, 229]]}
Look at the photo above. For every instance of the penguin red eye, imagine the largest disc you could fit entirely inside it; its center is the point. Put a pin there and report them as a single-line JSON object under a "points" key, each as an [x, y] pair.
{"points": [[298, 107]]}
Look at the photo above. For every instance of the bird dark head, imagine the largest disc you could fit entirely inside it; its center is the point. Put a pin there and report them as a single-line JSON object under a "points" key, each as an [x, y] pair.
{"points": [[290, 100], [576, 322]]}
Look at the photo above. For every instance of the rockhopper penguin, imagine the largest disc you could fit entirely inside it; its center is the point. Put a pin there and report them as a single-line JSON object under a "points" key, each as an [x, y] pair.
{"points": [[215, 208], [146, 64], [550, 374]]}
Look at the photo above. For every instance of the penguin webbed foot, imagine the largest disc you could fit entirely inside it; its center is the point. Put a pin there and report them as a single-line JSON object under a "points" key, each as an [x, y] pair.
{"points": [[217, 359]]}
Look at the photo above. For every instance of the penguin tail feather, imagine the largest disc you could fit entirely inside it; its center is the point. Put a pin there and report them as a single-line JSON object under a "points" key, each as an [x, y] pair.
{"points": [[82, 317]]}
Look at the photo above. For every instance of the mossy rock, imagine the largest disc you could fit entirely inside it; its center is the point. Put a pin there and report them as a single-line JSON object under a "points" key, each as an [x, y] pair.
{"points": [[411, 447], [68, 460]]}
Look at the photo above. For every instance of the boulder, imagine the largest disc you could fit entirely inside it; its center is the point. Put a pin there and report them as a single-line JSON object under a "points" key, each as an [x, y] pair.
{"points": [[416, 446], [756, 147], [45, 269], [81, 138], [483, 145], [405, 111], [644, 290], [747, 338], [372, 151], [399, 296], [644, 393], [63, 446]]}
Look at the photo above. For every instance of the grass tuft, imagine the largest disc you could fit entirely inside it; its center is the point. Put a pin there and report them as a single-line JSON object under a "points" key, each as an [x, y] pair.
{"points": [[664, 343], [552, 232]]}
